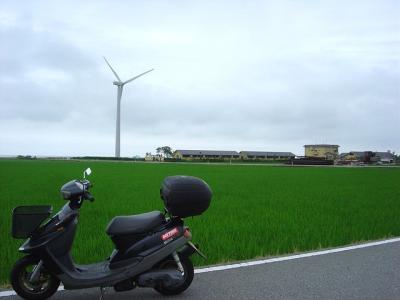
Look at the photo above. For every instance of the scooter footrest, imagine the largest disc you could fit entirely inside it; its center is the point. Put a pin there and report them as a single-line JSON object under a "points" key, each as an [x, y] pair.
{"points": [[168, 278], [125, 285]]}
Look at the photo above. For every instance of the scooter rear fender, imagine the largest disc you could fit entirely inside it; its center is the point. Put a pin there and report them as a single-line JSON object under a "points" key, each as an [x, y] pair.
{"points": [[190, 249]]}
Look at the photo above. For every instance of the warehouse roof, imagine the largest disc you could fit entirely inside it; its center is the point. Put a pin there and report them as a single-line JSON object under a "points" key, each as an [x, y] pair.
{"points": [[385, 155], [321, 145], [261, 153], [208, 152], [358, 153]]}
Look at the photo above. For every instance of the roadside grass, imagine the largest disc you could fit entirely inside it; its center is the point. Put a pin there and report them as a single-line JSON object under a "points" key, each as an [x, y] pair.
{"points": [[256, 211]]}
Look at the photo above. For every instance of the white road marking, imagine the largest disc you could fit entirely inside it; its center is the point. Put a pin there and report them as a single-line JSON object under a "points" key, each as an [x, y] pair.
{"points": [[266, 261], [291, 257]]}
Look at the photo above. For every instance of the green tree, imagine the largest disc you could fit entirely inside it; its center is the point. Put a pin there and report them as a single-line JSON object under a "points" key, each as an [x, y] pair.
{"points": [[159, 150], [165, 151]]}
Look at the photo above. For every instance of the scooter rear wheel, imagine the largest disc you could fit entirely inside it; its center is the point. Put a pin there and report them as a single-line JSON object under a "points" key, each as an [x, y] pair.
{"points": [[170, 263], [46, 286]]}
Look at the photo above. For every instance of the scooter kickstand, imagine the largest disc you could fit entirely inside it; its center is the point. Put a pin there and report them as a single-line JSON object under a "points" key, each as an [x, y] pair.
{"points": [[102, 289]]}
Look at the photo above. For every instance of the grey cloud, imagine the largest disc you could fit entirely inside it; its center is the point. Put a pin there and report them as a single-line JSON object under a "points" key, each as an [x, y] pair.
{"points": [[24, 48], [26, 53], [280, 74]]}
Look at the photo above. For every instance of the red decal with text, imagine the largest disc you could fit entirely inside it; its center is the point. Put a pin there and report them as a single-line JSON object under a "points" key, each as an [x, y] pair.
{"points": [[170, 234]]}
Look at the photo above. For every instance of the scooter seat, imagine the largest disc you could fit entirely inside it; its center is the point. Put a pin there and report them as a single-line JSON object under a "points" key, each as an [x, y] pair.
{"points": [[142, 223]]}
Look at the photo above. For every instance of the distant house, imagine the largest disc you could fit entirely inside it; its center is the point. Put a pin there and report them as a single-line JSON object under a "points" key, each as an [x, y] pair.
{"points": [[205, 154], [369, 157], [324, 151], [361, 156], [261, 155], [385, 157], [151, 157]]}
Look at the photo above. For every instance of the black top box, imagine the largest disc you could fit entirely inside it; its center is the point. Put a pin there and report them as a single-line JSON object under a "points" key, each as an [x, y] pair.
{"points": [[185, 196]]}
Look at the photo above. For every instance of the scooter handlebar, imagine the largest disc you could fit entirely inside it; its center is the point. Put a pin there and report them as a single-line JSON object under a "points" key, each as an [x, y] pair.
{"points": [[89, 196], [87, 184]]}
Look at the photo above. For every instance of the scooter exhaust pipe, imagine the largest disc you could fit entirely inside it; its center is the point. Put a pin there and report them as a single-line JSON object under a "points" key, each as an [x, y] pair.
{"points": [[169, 278]]}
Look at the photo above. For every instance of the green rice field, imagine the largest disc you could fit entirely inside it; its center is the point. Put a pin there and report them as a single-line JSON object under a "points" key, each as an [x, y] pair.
{"points": [[255, 211]]}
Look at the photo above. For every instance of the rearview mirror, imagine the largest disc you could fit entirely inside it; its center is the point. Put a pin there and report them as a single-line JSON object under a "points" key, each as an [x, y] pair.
{"points": [[87, 172]]}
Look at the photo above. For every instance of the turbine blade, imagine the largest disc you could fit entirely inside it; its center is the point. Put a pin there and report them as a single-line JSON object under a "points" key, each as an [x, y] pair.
{"points": [[133, 78], [115, 73]]}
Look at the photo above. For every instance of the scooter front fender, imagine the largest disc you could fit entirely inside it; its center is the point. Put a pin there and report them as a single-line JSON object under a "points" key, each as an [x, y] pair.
{"points": [[33, 245]]}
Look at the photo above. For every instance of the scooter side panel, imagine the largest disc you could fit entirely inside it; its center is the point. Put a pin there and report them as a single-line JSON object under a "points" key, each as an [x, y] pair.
{"points": [[108, 277], [147, 245]]}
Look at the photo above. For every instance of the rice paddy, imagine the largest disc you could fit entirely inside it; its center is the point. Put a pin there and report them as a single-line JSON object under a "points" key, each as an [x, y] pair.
{"points": [[255, 211]]}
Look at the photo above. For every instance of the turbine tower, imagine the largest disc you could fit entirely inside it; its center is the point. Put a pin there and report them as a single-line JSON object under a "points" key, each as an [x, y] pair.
{"points": [[120, 84]]}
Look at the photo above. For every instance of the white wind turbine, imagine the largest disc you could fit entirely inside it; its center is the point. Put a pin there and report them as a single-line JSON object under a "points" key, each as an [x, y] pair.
{"points": [[120, 84]]}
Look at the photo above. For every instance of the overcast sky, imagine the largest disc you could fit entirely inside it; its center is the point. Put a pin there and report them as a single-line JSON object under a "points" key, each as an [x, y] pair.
{"points": [[245, 75]]}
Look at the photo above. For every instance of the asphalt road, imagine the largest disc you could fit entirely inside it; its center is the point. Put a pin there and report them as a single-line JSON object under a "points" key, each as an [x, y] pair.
{"points": [[368, 273]]}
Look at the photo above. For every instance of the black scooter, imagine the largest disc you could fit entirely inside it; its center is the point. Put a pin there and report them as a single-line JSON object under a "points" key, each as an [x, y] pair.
{"points": [[151, 249]]}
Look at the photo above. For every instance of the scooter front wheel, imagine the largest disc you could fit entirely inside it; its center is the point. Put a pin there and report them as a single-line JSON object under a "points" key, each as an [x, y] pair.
{"points": [[45, 286], [170, 263]]}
